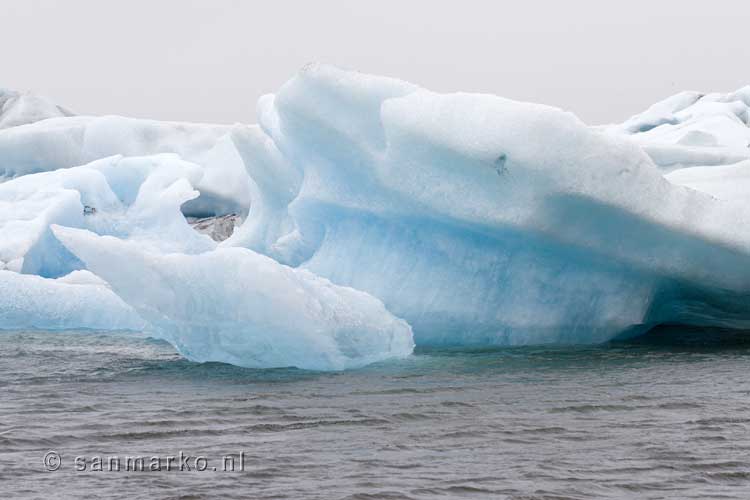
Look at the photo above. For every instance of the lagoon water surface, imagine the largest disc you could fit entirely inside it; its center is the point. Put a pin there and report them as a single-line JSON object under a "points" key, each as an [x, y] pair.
{"points": [[662, 417]]}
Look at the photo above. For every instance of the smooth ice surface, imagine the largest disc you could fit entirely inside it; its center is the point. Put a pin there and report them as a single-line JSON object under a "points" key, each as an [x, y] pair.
{"points": [[81, 301], [237, 306], [725, 182], [476, 219]]}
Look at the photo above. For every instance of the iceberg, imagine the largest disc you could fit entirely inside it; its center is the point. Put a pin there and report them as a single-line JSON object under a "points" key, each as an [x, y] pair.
{"points": [[697, 140], [234, 305], [376, 214], [693, 129], [483, 220], [63, 142], [20, 108]]}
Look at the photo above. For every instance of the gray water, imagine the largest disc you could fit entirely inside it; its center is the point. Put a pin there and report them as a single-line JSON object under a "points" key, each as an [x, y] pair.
{"points": [[650, 419]]}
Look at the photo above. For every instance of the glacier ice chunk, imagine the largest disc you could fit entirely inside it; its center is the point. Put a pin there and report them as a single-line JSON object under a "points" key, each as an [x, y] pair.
{"points": [[693, 129], [483, 220], [69, 141], [477, 219], [137, 198], [81, 301], [21, 108], [234, 305]]}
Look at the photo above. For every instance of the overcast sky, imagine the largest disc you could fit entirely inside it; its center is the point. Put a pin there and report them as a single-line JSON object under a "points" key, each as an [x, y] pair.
{"points": [[210, 60]]}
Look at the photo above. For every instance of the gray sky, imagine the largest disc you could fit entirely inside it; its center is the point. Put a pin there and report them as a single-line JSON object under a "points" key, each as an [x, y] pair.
{"points": [[210, 60]]}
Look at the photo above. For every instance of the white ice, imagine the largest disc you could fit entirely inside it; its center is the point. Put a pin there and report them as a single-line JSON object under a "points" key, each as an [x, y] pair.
{"points": [[69, 141], [237, 306], [75, 302], [483, 220], [137, 198], [724, 182], [693, 129], [476, 219], [20, 108]]}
